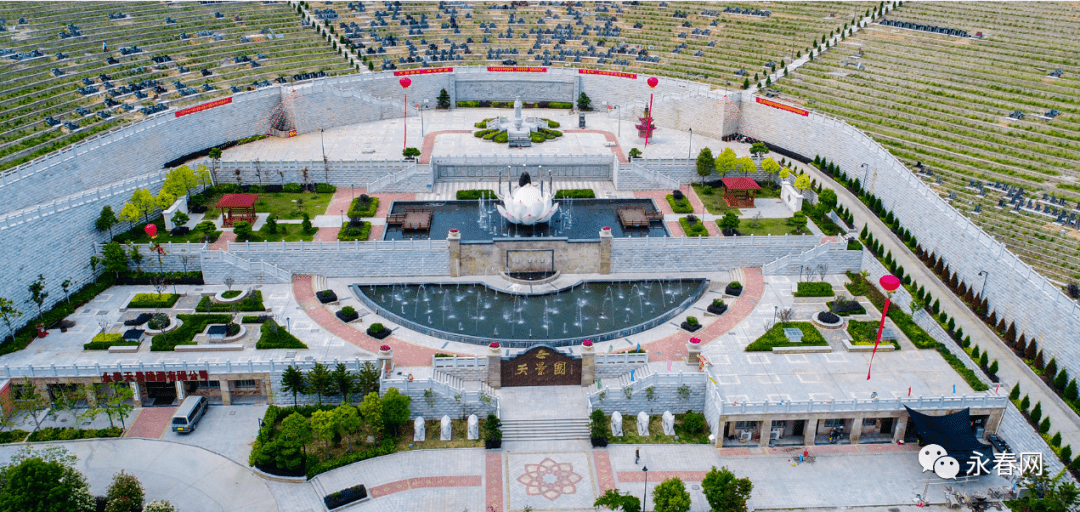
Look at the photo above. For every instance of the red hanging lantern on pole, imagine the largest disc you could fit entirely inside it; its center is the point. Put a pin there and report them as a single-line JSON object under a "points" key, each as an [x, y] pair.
{"points": [[405, 83], [151, 230], [652, 81], [890, 283]]}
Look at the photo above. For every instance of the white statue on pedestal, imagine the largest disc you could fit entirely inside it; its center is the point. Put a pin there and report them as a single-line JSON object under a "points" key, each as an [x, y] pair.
{"points": [[668, 422], [419, 431], [445, 434], [474, 427], [616, 424], [642, 424]]}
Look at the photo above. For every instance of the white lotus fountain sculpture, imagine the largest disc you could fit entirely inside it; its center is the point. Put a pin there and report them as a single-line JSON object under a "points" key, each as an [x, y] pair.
{"points": [[528, 204]]}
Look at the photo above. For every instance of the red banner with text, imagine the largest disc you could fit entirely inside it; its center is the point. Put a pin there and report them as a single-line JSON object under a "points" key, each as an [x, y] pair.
{"points": [[423, 71], [606, 73], [516, 69], [204, 106], [781, 106]]}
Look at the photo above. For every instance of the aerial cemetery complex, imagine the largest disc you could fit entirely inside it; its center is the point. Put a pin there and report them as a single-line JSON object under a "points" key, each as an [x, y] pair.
{"points": [[406, 255]]}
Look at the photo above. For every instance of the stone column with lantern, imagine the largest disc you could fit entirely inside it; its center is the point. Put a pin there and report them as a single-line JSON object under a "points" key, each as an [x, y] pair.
{"points": [[494, 365], [453, 242], [588, 363], [693, 351], [386, 359], [605, 250]]}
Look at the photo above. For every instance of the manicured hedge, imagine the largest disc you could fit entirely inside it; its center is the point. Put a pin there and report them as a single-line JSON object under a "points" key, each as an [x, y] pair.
{"points": [[681, 206], [274, 336], [12, 436], [846, 308], [349, 233], [105, 340], [153, 300], [501, 138], [150, 278], [252, 302], [255, 319], [575, 193], [695, 229], [193, 324], [345, 496], [359, 208], [814, 290], [865, 333], [467, 195], [775, 337], [231, 294], [65, 434]]}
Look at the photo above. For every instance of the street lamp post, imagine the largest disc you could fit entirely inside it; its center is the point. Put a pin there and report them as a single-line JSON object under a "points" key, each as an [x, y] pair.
{"points": [[985, 275], [288, 325], [620, 119], [645, 493], [690, 149], [866, 174]]}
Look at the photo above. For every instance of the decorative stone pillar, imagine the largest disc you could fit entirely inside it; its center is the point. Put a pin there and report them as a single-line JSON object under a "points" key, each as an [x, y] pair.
{"points": [[900, 428], [605, 250], [810, 431], [386, 359], [993, 422], [180, 395], [588, 361], [453, 241], [856, 428], [494, 366], [766, 433], [720, 426], [268, 390], [693, 350], [226, 395], [136, 393]]}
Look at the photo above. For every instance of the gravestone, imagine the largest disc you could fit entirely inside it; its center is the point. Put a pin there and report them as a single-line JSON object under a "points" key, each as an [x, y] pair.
{"points": [[474, 427], [616, 424], [419, 431]]}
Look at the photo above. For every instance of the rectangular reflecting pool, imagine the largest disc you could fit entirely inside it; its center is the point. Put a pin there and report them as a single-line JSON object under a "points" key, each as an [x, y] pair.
{"points": [[576, 219]]}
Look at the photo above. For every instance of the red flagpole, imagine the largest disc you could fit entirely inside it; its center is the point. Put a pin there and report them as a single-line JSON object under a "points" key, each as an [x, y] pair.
{"points": [[880, 328], [405, 123]]}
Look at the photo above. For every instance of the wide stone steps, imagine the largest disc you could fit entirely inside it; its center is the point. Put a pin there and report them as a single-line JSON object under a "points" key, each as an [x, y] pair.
{"points": [[449, 380], [639, 373], [545, 429]]}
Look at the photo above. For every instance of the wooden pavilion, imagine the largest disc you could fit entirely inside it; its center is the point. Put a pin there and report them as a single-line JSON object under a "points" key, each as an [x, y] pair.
{"points": [[237, 208], [739, 192]]}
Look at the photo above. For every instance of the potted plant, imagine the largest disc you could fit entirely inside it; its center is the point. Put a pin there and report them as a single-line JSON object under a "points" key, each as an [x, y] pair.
{"points": [[493, 347], [733, 288], [492, 432], [717, 307], [598, 429], [691, 324], [326, 296], [378, 331], [347, 314]]}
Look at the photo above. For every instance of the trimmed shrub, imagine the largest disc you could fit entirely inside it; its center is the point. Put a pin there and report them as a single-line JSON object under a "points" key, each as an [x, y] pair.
{"points": [[817, 289], [153, 300], [272, 335]]}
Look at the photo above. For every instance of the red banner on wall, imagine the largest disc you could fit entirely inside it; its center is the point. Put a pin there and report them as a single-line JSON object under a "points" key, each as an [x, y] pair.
{"points": [[517, 69], [204, 106], [423, 71], [781, 106], [153, 376], [606, 73]]}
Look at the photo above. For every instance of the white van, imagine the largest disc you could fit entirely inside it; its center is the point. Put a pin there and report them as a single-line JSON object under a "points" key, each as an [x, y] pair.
{"points": [[189, 413]]}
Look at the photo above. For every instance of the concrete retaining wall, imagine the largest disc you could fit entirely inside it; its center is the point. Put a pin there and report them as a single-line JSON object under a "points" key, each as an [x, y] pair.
{"points": [[705, 254]]}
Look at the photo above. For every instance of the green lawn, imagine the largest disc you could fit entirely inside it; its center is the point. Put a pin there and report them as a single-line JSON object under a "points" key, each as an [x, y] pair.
{"points": [[714, 202], [282, 204], [773, 227], [285, 233], [775, 337], [865, 333], [656, 431], [138, 236]]}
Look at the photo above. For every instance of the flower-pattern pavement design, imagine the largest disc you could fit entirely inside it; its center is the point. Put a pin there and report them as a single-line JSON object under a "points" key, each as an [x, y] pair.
{"points": [[549, 479]]}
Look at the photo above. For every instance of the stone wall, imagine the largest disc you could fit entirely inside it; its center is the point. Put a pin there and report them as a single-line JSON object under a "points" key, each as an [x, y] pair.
{"points": [[338, 173], [568, 257], [665, 397], [370, 260], [1014, 290], [639, 175], [351, 99], [703, 254], [177, 257], [491, 168], [834, 255]]}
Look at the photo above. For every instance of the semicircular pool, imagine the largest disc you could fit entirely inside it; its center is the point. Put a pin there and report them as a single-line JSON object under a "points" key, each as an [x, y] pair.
{"points": [[479, 314]]}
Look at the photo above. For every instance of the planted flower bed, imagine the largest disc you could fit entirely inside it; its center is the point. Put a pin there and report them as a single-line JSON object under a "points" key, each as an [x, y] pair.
{"points": [[691, 324], [347, 314], [819, 289], [775, 337], [717, 307], [378, 331], [326, 296], [734, 289], [154, 300], [345, 496], [253, 302]]}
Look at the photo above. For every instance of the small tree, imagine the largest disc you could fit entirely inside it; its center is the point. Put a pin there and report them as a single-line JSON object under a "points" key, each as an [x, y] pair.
{"points": [[367, 379], [43, 483], [671, 496], [1044, 427], [160, 506], [292, 381], [38, 294], [583, 101], [395, 409], [319, 381], [324, 426], [348, 421], [993, 369], [770, 167], [106, 220], [635, 153], [296, 427], [1036, 412], [1015, 393], [726, 161], [706, 164], [305, 224], [1071, 391], [344, 382], [371, 413], [8, 312], [142, 203], [444, 99], [724, 492], [784, 315], [730, 221], [410, 153], [759, 148], [117, 403], [614, 500], [1025, 403], [802, 183], [215, 157], [745, 165], [125, 493], [798, 221]]}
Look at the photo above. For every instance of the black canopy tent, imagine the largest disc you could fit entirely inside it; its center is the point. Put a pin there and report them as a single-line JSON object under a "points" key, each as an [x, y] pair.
{"points": [[953, 433]]}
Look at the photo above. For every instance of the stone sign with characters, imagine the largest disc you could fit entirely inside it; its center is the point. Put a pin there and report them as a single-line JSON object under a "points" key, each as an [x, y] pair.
{"points": [[541, 366]]}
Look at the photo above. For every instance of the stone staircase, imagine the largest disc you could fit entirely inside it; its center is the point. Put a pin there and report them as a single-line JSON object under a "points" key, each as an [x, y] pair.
{"points": [[449, 380], [639, 373], [545, 429]]}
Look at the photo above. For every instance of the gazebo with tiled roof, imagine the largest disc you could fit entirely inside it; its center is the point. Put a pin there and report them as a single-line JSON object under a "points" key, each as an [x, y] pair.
{"points": [[237, 208], [740, 192]]}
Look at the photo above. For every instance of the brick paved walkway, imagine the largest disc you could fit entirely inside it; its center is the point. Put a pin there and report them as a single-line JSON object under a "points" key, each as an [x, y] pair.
{"points": [[665, 349], [327, 234], [342, 200], [222, 243], [151, 422], [660, 476], [425, 482], [386, 199], [659, 197], [405, 353], [493, 488], [605, 479]]}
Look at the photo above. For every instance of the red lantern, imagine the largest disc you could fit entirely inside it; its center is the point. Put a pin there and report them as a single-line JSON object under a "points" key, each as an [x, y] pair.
{"points": [[889, 282], [652, 82], [405, 82], [151, 230]]}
